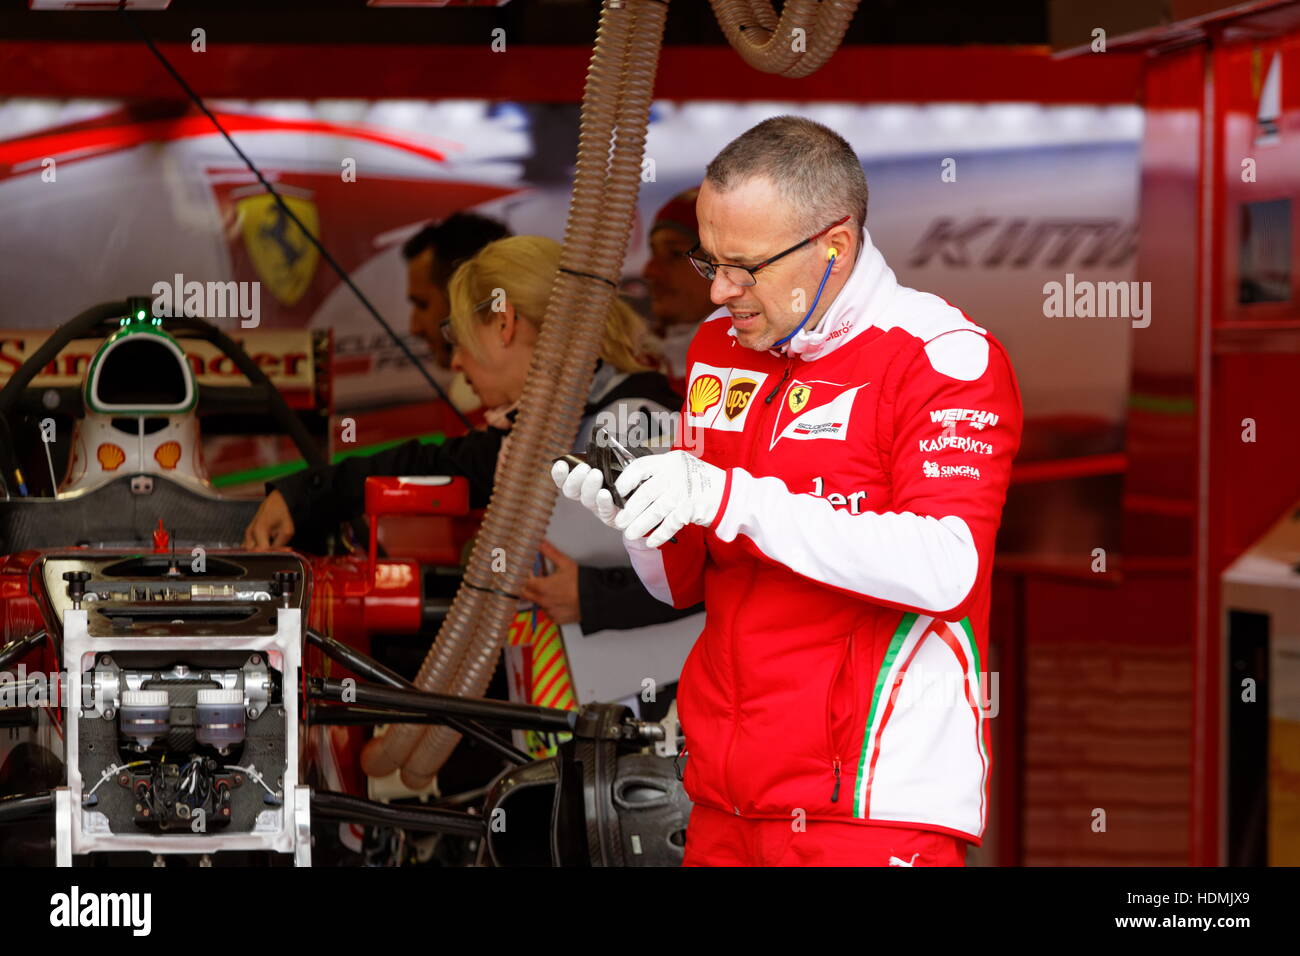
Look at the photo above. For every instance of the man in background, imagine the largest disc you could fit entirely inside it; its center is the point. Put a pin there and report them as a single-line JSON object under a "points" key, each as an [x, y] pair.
{"points": [[679, 297], [432, 255]]}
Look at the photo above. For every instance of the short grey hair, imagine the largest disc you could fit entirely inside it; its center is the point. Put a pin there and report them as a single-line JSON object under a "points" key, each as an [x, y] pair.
{"points": [[813, 168]]}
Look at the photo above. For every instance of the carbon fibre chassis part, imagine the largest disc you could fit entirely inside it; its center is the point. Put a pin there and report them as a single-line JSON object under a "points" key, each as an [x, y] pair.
{"points": [[603, 803]]}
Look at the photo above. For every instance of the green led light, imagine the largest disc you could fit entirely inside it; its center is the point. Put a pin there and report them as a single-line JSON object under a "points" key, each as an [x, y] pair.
{"points": [[140, 314]]}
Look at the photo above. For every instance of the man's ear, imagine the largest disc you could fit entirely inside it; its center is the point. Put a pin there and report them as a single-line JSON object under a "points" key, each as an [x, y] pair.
{"points": [[844, 240]]}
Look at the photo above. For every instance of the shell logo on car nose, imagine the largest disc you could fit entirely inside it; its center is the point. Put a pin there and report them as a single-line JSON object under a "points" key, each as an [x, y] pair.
{"points": [[110, 456], [168, 454], [705, 393]]}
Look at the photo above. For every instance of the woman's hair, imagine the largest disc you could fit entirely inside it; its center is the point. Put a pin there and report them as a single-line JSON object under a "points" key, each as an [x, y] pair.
{"points": [[523, 268]]}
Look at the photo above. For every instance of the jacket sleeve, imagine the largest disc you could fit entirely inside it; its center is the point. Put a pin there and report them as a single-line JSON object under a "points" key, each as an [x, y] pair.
{"points": [[328, 495], [956, 423]]}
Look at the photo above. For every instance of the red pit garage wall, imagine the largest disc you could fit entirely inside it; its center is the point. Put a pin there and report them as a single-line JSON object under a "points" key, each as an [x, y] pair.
{"points": [[1254, 358], [1126, 683]]}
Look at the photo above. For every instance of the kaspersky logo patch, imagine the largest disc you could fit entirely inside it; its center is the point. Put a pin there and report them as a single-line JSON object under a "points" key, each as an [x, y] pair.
{"points": [[815, 410], [720, 398]]}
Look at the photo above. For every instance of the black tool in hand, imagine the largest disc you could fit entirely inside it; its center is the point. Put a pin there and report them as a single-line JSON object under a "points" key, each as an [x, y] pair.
{"points": [[608, 456]]}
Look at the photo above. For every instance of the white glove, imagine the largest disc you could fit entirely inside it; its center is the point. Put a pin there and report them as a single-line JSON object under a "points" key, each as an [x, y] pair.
{"points": [[666, 492], [585, 484]]}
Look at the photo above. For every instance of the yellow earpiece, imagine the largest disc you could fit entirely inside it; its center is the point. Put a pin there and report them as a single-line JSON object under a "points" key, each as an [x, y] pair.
{"points": [[831, 253]]}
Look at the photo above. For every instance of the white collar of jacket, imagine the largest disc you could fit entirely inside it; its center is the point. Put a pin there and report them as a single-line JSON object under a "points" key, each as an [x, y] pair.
{"points": [[861, 301]]}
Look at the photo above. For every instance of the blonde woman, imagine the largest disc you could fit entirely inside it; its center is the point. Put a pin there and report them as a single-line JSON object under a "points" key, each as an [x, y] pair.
{"points": [[615, 634]]}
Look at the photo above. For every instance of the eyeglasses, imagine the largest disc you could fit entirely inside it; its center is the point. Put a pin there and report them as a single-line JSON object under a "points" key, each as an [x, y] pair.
{"points": [[449, 332], [745, 275]]}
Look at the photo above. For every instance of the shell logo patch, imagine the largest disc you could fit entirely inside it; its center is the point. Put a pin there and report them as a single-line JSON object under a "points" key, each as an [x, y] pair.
{"points": [[110, 457], [704, 394], [739, 392], [720, 397], [799, 396], [168, 454]]}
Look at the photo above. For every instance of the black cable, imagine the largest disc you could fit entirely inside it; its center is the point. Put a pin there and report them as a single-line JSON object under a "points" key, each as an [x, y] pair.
{"points": [[27, 805], [491, 712], [17, 648], [284, 207], [590, 275], [329, 805], [478, 587]]}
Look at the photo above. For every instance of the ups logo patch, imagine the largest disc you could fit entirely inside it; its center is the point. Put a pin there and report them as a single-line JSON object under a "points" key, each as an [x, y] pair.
{"points": [[739, 392]]}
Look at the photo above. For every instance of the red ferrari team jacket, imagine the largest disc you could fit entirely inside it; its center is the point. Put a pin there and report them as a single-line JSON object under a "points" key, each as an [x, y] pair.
{"points": [[841, 670]]}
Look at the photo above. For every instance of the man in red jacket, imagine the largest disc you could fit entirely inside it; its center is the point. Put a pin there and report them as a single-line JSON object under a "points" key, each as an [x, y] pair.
{"points": [[850, 444]]}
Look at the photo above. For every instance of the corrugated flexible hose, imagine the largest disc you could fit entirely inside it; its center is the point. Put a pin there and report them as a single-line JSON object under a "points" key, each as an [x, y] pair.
{"points": [[772, 45], [615, 113]]}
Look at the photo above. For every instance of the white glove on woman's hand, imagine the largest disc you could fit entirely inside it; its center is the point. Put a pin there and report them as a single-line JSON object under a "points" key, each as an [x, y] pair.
{"points": [[666, 492], [583, 483]]}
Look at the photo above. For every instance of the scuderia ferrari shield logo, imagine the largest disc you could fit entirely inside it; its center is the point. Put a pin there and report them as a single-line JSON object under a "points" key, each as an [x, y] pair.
{"points": [[284, 258], [799, 396], [720, 397], [802, 420]]}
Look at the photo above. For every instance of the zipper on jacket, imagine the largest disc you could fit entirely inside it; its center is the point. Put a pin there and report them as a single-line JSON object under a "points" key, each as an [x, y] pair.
{"points": [[830, 727], [735, 667], [776, 388], [735, 724]]}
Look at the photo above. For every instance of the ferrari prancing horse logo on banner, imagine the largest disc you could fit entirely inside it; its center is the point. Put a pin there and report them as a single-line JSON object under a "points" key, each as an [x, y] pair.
{"points": [[284, 258]]}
